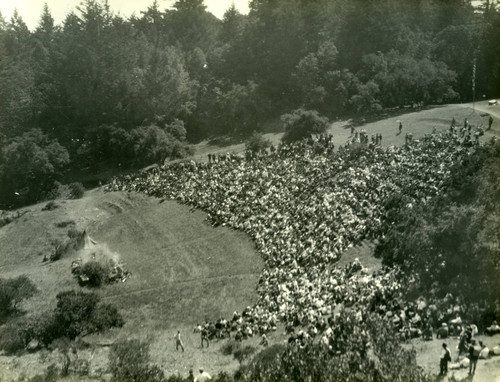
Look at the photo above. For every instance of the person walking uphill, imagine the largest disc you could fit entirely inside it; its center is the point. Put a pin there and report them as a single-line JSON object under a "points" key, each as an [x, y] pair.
{"points": [[445, 358], [178, 341]]}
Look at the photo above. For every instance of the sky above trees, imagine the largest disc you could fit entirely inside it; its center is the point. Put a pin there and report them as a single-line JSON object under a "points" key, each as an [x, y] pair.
{"points": [[30, 10]]}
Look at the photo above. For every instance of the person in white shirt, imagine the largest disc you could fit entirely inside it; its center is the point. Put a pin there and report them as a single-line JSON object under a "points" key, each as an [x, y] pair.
{"points": [[178, 341], [203, 376]]}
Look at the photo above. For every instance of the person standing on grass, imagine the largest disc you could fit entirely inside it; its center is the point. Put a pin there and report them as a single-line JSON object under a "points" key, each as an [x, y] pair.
{"points": [[400, 127], [474, 351], [445, 358], [178, 341], [490, 122], [204, 337]]}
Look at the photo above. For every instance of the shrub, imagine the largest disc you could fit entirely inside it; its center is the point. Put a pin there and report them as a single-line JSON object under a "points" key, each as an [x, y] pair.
{"points": [[44, 328], [74, 311], [96, 272], [76, 190], [257, 143], [74, 233], [57, 249], [268, 355], [104, 317], [11, 339], [229, 347], [243, 353], [300, 124], [64, 223], [77, 313], [8, 217], [129, 361], [50, 206], [12, 292], [67, 245]]}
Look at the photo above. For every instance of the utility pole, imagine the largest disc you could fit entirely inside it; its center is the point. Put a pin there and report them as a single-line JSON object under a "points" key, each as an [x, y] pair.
{"points": [[474, 85]]}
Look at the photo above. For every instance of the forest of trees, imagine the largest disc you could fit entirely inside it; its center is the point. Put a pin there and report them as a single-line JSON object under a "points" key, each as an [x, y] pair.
{"points": [[130, 92]]}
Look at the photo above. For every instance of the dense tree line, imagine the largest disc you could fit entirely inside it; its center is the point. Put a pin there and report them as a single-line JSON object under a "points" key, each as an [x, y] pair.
{"points": [[133, 91], [452, 242]]}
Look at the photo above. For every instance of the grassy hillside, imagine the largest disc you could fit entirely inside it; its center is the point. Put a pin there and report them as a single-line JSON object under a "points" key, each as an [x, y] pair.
{"points": [[183, 270]]}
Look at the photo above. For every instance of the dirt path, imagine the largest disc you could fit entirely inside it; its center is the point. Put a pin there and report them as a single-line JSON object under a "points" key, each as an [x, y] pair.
{"points": [[483, 107]]}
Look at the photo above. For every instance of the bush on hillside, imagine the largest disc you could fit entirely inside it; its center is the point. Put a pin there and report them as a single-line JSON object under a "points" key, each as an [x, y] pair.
{"points": [[11, 338], [76, 190], [12, 292], [74, 233], [63, 246], [7, 217], [129, 361], [96, 273], [74, 311], [105, 316], [230, 347], [300, 124], [64, 223], [76, 314], [79, 313], [243, 353], [50, 206], [257, 143], [16, 335], [43, 328]]}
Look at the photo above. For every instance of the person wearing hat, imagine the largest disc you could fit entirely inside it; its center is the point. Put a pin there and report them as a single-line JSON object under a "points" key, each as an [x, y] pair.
{"points": [[203, 376]]}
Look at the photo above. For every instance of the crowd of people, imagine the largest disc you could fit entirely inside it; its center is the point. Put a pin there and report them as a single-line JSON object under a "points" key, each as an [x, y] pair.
{"points": [[304, 204]]}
